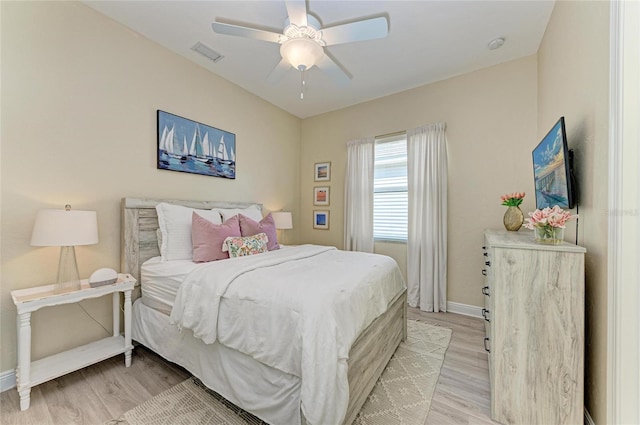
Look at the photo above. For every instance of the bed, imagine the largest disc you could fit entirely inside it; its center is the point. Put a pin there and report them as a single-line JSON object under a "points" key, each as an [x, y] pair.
{"points": [[257, 386]]}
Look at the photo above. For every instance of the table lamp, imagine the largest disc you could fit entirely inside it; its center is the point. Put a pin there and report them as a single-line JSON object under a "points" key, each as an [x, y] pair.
{"points": [[66, 229], [283, 221]]}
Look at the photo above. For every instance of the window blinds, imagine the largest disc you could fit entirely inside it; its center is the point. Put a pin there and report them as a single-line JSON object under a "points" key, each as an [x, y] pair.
{"points": [[390, 200]]}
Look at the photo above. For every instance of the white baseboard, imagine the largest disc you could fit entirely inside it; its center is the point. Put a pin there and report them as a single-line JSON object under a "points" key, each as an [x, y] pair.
{"points": [[7, 380], [587, 418], [465, 309]]}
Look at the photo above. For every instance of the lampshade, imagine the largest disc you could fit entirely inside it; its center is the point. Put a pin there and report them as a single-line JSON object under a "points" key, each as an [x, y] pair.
{"points": [[282, 219], [65, 228], [301, 53]]}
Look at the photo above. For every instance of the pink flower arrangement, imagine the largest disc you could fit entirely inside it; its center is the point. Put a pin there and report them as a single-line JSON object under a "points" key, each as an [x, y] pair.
{"points": [[512, 199], [549, 217]]}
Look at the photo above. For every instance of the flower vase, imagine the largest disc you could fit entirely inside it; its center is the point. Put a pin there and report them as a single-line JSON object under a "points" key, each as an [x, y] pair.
{"points": [[549, 235], [513, 219]]}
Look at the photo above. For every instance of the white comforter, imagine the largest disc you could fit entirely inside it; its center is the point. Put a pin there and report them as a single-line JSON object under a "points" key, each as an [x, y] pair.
{"points": [[298, 310]]}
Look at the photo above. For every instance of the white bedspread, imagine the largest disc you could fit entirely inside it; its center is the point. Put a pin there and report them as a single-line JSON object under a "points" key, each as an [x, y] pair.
{"points": [[298, 310]]}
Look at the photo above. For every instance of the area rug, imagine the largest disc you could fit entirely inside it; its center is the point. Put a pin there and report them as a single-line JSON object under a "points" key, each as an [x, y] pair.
{"points": [[402, 395]]}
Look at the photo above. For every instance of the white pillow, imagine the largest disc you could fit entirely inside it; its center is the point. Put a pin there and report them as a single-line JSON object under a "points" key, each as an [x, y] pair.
{"points": [[252, 211], [174, 222]]}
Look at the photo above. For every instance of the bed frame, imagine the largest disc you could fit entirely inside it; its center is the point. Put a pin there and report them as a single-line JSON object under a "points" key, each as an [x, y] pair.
{"points": [[369, 354]]}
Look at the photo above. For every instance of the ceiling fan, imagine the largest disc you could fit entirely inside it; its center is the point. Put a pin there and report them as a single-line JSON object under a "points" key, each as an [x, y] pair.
{"points": [[302, 41]]}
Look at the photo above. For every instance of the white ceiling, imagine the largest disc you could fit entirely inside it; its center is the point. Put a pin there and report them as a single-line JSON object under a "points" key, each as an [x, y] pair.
{"points": [[428, 41]]}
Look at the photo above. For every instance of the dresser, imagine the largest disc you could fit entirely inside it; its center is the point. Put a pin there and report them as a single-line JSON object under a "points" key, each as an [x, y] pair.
{"points": [[534, 322]]}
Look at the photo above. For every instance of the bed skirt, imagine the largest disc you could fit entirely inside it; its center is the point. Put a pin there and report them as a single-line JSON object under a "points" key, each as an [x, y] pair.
{"points": [[266, 392]]}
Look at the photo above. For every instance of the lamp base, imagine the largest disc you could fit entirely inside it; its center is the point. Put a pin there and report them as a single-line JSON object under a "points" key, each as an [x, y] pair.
{"points": [[282, 237], [68, 277]]}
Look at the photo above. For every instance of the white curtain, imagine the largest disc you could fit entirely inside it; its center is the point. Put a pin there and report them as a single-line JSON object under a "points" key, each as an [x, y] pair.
{"points": [[358, 196], [427, 239]]}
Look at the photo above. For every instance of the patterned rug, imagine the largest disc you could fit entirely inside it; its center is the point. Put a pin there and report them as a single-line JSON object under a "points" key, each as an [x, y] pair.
{"points": [[402, 395]]}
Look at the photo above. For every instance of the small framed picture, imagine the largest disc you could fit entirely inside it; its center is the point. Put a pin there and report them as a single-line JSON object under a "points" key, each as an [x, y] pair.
{"points": [[322, 172], [321, 195], [321, 220]]}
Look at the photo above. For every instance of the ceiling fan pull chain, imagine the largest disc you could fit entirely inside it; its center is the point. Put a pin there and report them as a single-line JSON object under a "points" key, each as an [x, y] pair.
{"points": [[303, 82]]}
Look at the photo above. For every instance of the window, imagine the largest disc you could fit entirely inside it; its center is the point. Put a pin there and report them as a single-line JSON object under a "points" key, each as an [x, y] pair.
{"points": [[390, 198]]}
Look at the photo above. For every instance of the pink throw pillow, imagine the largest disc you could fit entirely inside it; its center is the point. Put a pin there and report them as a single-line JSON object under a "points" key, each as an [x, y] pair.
{"points": [[249, 227], [208, 238]]}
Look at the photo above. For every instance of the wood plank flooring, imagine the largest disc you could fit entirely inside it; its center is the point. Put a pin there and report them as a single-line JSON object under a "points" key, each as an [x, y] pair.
{"points": [[106, 390]]}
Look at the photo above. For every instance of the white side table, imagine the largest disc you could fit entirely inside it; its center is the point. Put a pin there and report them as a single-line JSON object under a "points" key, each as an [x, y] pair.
{"points": [[30, 374]]}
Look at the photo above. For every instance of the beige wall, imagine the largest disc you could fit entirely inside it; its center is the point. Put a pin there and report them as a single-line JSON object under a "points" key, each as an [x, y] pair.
{"points": [[491, 129], [79, 100], [573, 80]]}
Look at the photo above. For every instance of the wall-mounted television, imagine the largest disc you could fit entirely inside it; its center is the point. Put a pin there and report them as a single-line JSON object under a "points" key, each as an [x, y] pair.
{"points": [[553, 170]]}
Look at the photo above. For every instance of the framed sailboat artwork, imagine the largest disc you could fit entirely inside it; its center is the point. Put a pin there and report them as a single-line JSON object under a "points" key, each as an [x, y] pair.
{"points": [[192, 147]]}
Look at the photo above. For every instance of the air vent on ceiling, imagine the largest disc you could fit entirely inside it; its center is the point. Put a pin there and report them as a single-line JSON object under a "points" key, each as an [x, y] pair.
{"points": [[207, 52]]}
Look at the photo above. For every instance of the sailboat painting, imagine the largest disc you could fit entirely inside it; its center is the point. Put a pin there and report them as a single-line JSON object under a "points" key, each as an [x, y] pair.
{"points": [[191, 147]]}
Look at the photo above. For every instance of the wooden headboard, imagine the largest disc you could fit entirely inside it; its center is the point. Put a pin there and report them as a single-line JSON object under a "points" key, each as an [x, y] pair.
{"points": [[139, 240]]}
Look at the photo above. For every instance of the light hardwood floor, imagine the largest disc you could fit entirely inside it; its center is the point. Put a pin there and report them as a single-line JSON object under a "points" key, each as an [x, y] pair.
{"points": [[106, 390]]}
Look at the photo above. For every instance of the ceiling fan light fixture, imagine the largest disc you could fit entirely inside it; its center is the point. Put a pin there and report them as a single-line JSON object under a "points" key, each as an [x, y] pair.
{"points": [[301, 53], [309, 31]]}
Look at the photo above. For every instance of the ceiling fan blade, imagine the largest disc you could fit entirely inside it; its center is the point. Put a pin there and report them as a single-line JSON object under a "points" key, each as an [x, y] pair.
{"points": [[368, 29], [247, 32], [297, 11], [278, 72], [333, 70]]}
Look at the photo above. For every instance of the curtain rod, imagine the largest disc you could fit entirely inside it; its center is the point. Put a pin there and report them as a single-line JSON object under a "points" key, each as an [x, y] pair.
{"points": [[397, 133]]}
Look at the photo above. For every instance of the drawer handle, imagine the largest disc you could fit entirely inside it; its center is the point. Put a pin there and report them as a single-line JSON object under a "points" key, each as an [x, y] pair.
{"points": [[486, 340], [485, 312], [485, 291], [484, 272]]}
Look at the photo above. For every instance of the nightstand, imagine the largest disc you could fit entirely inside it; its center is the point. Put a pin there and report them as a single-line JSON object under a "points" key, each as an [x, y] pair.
{"points": [[30, 374]]}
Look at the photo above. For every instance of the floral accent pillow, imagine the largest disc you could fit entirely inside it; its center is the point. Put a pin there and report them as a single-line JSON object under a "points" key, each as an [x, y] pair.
{"points": [[247, 245]]}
